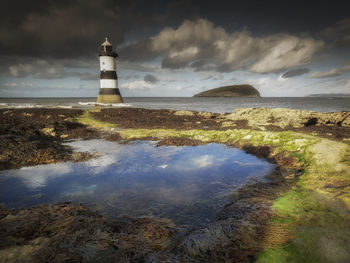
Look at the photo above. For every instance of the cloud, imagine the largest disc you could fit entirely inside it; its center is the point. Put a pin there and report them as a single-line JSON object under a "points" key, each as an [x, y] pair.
{"points": [[285, 51], [40, 174], [339, 34], [295, 72], [203, 161], [331, 73], [168, 79], [202, 46], [88, 76], [40, 69], [217, 76], [139, 85], [132, 76], [150, 78], [61, 29], [43, 69]]}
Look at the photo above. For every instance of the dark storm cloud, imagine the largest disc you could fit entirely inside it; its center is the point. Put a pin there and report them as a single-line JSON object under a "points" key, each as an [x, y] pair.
{"points": [[66, 34], [74, 28], [60, 28], [338, 34], [150, 78], [295, 72]]}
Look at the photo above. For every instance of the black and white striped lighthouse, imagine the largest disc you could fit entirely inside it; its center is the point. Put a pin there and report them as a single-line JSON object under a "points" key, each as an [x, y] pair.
{"points": [[109, 92]]}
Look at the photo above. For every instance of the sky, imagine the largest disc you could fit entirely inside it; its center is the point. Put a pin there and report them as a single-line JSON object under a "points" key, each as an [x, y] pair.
{"points": [[174, 48]]}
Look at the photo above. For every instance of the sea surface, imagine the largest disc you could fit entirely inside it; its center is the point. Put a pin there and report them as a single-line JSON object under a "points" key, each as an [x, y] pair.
{"points": [[187, 184], [218, 105]]}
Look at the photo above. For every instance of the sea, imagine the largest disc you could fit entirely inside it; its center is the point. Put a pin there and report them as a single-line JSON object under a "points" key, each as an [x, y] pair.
{"points": [[217, 105]]}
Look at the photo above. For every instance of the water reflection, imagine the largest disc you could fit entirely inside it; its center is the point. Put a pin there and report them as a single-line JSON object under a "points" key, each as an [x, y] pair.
{"points": [[186, 184]]}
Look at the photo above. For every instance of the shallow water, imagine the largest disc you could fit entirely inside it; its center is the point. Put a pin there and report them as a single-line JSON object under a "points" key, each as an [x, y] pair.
{"points": [[188, 184], [219, 105]]}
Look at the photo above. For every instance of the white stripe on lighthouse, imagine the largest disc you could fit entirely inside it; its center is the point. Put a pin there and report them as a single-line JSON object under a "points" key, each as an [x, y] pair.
{"points": [[108, 83], [107, 63]]}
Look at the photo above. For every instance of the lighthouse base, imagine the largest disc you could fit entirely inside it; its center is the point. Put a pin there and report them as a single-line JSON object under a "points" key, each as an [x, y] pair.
{"points": [[109, 96]]}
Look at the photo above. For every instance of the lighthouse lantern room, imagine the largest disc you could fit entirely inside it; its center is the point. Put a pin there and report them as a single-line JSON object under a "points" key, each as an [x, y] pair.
{"points": [[109, 92]]}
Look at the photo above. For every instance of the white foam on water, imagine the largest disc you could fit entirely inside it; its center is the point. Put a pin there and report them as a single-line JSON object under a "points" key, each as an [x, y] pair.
{"points": [[121, 105], [64, 107], [87, 103], [22, 105], [115, 104]]}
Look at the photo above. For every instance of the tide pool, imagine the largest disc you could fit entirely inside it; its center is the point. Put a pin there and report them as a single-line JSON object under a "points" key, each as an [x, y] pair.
{"points": [[187, 184]]}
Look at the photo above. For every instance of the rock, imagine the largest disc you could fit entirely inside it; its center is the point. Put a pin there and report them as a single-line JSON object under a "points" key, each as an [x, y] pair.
{"points": [[29, 137], [184, 112], [205, 114], [231, 91], [67, 232], [49, 131], [285, 118]]}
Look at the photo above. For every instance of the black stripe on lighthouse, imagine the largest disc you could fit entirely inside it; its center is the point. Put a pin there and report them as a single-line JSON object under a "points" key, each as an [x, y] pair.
{"points": [[106, 91], [108, 75]]}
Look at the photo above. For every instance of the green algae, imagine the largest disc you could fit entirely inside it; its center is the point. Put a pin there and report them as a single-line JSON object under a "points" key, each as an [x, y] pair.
{"points": [[87, 119], [318, 211]]}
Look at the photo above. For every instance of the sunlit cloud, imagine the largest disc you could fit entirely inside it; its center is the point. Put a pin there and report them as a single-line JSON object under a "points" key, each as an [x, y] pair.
{"points": [[201, 45], [331, 73]]}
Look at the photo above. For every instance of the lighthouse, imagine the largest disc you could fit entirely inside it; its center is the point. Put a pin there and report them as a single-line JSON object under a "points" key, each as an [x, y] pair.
{"points": [[109, 92]]}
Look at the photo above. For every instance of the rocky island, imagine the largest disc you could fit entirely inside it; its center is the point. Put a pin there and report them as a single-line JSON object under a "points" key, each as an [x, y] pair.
{"points": [[234, 91]]}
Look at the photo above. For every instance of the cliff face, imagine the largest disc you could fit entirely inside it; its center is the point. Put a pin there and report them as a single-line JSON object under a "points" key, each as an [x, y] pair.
{"points": [[231, 91]]}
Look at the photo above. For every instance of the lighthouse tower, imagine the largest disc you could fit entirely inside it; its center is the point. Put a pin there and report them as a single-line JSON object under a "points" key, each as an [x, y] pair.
{"points": [[109, 92]]}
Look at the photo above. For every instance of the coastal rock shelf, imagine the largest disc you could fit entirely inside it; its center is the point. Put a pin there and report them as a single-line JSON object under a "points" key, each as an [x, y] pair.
{"points": [[304, 203]]}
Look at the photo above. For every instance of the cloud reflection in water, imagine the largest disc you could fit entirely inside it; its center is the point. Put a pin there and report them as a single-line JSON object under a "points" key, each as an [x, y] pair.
{"points": [[186, 184]]}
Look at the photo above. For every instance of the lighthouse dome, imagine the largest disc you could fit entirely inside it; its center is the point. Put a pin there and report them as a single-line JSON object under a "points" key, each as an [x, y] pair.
{"points": [[106, 49]]}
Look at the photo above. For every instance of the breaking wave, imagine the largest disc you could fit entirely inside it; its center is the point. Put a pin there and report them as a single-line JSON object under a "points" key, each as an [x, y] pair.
{"points": [[19, 105], [89, 103]]}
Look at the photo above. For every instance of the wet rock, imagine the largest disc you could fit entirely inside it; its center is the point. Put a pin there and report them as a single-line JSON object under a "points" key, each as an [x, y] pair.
{"points": [[289, 117], [179, 142], [158, 119], [73, 233], [259, 151], [233, 237], [334, 125], [35, 136], [184, 113], [311, 122], [115, 137]]}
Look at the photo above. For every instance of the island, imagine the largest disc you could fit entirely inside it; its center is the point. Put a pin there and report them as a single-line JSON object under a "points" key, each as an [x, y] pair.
{"points": [[243, 90]]}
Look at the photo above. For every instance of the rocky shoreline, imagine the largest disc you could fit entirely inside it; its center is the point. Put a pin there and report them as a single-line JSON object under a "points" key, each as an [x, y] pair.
{"points": [[245, 227], [35, 136]]}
